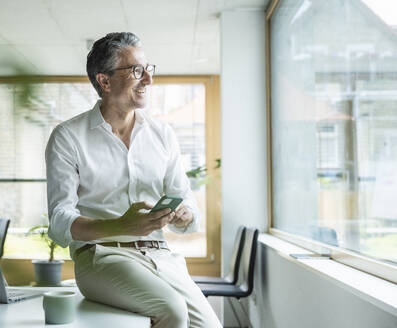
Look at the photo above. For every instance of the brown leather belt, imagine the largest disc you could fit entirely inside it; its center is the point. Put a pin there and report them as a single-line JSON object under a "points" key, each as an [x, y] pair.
{"points": [[139, 244]]}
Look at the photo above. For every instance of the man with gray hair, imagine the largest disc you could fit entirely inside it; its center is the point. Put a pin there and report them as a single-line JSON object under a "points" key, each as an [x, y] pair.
{"points": [[105, 169]]}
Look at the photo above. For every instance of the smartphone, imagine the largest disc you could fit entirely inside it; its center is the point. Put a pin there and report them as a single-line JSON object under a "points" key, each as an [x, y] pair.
{"points": [[167, 202]]}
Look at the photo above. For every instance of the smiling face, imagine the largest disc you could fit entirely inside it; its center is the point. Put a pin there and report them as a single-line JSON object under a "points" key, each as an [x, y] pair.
{"points": [[123, 89]]}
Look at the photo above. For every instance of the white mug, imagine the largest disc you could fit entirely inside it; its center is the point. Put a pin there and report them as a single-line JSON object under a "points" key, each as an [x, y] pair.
{"points": [[59, 307]]}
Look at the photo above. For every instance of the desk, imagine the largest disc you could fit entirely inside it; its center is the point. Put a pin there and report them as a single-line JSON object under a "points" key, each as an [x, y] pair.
{"points": [[30, 314]]}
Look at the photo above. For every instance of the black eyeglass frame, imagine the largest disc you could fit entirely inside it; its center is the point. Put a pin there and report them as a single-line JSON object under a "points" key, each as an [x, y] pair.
{"points": [[132, 67]]}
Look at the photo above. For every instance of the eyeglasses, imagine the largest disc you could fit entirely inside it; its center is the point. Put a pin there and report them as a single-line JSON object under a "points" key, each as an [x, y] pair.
{"points": [[138, 70]]}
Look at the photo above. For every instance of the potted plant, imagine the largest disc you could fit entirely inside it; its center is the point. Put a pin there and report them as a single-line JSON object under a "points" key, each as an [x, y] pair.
{"points": [[47, 272], [199, 176]]}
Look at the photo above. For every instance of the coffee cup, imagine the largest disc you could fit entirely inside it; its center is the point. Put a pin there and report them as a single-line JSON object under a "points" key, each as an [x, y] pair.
{"points": [[59, 307]]}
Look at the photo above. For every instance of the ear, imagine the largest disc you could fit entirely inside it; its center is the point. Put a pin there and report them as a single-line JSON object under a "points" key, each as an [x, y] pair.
{"points": [[104, 81]]}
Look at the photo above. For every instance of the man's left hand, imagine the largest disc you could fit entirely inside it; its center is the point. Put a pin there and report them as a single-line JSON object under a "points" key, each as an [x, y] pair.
{"points": [[183, 217]]}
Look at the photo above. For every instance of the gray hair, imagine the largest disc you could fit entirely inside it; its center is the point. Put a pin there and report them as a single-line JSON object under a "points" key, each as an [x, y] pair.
{"points": [[103, 56]]}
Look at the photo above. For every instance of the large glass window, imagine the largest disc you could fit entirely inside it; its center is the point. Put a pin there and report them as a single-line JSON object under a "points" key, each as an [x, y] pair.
{"points": [[334, 123], [28, 114]]}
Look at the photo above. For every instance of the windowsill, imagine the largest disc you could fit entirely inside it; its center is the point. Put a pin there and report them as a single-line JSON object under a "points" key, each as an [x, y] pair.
{"points": [[377, 291]]}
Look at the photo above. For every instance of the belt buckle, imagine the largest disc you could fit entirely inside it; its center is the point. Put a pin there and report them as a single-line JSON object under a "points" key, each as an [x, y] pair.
{"points": [[156, 244]]}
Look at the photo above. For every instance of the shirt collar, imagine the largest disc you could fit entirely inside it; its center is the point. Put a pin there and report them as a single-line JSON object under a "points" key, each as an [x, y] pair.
{"points": [[96, 118], [140, 117]]}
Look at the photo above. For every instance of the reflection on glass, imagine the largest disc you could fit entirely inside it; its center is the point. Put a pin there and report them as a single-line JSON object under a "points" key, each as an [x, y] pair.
{"points": [[334, 123]]}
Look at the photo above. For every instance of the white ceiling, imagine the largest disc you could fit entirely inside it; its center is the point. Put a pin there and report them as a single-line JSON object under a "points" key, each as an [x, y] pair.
{"points": [[48, 37]]}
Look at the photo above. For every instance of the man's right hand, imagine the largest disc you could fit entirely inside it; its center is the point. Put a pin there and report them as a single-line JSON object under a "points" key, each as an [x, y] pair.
{"points": [[137, 223]]}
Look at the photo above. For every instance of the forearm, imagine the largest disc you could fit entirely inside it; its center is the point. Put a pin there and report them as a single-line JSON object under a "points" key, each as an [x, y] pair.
{"points": [[85, 228], [131, 223]]}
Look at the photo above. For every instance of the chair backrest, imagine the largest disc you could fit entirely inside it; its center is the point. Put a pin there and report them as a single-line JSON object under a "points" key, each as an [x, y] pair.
{"points": [[3, 232], [236, 255], [324, 234], [246, 269]]}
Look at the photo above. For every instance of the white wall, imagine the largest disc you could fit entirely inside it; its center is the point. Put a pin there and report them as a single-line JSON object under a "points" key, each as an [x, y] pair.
{"points": [[243, 103], [291, 296]]}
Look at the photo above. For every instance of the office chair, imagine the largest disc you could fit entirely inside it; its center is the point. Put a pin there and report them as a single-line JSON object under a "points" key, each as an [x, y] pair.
{"points": [[234, 263], [245, 283], [325, 235], [3, 229], [4, 223]]}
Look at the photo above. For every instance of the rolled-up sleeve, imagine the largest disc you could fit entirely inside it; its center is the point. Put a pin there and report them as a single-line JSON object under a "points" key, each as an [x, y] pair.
{"points": [[177, 184], [62, 185]]}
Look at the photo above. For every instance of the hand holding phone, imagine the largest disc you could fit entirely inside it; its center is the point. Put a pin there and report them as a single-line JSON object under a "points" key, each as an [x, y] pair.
{"points": [[167, 202]]}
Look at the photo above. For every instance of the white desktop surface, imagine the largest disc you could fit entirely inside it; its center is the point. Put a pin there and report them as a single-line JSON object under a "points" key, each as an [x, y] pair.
{"points": [[30, 313]]}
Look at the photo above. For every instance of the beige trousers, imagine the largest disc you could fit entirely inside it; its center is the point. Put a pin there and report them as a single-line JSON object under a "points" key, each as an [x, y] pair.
{"points": [[152, 282]]}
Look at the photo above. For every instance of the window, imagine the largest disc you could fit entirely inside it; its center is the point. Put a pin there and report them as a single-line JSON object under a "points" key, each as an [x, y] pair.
{"points": [[30, 112], [333, 80], [183, 107]]}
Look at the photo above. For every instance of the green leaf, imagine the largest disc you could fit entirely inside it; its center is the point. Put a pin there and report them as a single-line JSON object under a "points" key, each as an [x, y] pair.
{"points": [[37, 227], [218, 163], [204, 181], [195, 173]]}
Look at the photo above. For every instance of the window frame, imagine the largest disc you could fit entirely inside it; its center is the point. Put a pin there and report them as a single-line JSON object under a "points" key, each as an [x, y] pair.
{"points": [[358, 261], [211, 264]]}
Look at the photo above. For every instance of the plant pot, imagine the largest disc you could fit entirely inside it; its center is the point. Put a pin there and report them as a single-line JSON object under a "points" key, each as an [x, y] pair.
{"points": [[47, 273]]}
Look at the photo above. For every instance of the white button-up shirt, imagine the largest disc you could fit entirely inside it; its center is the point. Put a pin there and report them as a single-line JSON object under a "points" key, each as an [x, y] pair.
{"points": [[90, 172]]}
